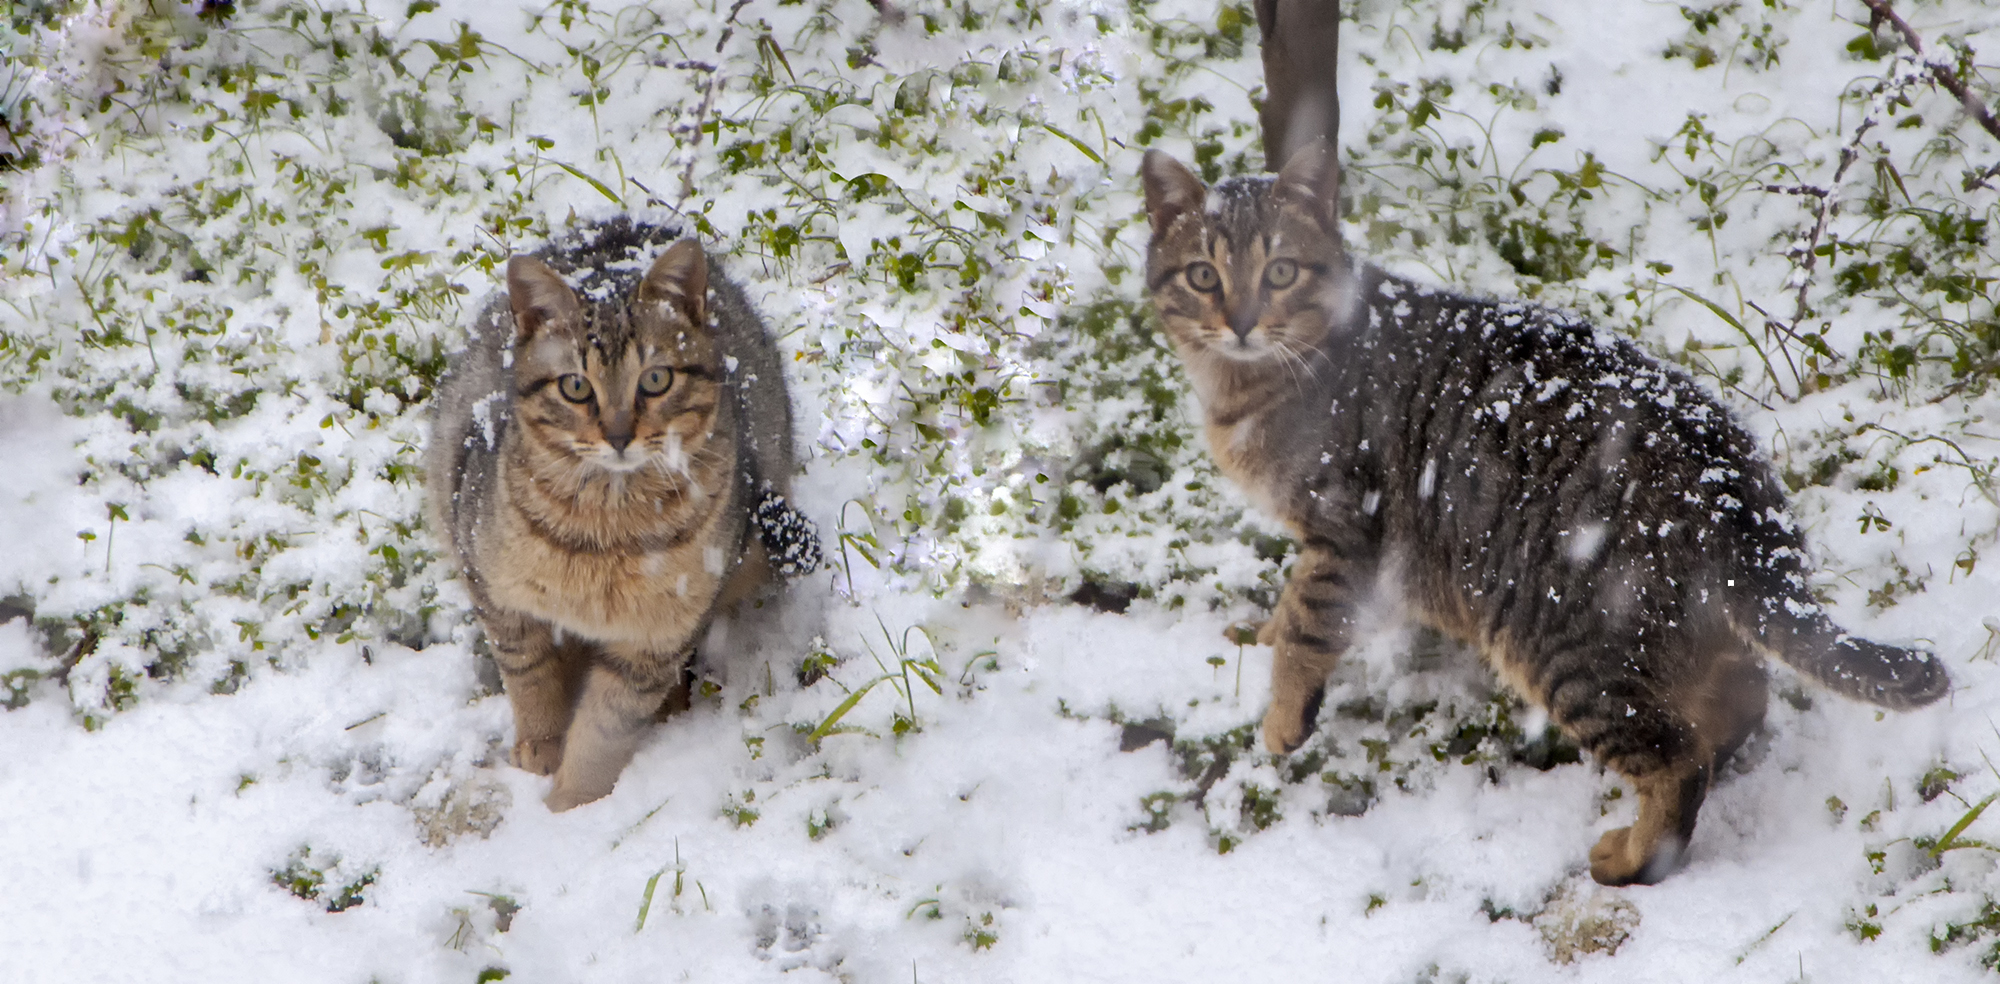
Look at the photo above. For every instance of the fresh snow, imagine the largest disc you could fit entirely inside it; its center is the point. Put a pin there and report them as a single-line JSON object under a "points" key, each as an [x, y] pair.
{"points": [[1030, 819]]}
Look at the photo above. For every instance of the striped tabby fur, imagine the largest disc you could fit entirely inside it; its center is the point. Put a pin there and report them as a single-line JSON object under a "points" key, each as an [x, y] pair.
{"points": [[1588, 519], [596, 454]]}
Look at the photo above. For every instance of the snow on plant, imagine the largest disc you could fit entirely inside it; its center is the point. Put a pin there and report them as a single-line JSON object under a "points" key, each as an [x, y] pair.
{"points": [[251, 274], [238, 241]]}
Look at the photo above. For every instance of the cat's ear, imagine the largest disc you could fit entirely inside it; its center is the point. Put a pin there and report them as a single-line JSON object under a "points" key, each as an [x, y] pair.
{"points": [[1311, 181], [538, 296], [1171, 190], [679, 277]]}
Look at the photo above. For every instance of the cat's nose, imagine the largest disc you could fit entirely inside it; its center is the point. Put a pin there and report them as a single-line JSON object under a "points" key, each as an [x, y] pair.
{"points": [[618, 432], [1243, 321]]}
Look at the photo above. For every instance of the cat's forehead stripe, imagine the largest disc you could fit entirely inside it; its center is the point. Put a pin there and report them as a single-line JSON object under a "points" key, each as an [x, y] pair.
{"points": [[1236, 194]]}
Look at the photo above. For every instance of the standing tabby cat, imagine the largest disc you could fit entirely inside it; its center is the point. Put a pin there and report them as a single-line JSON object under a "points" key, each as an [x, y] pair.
{"points": [[598, 459], [1592, 522]]}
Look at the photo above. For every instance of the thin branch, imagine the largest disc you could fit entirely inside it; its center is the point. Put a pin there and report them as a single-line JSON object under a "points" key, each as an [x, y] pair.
{"points": [[1829, 203], [693, 151], [1807, 255], [1940, 70], [1780, 333]]}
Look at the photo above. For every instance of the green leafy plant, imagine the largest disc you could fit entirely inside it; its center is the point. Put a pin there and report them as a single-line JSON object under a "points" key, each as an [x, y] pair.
{"points": [[329, 883], [926, 671]]}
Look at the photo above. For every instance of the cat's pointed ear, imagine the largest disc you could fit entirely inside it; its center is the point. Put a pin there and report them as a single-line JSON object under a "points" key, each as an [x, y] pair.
{"points": [[679, 277], [539, 297], [1311, 181], [1171, 190]]}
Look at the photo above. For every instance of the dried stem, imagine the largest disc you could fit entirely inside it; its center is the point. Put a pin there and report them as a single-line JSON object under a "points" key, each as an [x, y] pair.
{"points": [[1829, 197], [1829, 203], [1940, 70], [693, 149]]}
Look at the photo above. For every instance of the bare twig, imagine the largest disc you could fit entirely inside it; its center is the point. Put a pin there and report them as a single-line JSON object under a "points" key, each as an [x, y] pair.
{"points": [[1807, 256], [1940, 70], [692, 151], [1979, 180], [734, 9], [1780, 333], [1979, 477]]}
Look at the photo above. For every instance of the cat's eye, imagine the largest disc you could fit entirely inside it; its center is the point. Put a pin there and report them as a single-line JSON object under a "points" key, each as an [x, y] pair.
{"points": [[1281, 273], [573, 388], [656, 380], [1203, 277]]}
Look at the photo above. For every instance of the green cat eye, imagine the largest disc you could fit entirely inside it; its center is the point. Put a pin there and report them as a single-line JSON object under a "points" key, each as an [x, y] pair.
{"points": [[1281, 273], [573, 388], [1203, 277], [656, 380]]}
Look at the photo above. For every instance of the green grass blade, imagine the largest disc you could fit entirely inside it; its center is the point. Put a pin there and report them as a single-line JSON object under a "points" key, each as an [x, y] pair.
{"points": [[1080, 145], [646, 903], [928, 671], [1731, 321], [826, 727], [1945, 843], [860, 547], [594, 183]]}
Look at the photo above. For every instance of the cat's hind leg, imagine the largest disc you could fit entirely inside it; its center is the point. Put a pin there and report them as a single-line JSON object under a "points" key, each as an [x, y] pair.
{"points": [[1717, 707], [622, 692], [539, 682], [1311, 628], [1729, 706], [1638, 732], [1656, 843]]}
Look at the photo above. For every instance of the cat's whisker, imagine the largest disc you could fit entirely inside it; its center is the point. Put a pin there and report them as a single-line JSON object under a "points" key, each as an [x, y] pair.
{"points": [[676, 480], [1306, 367], [1277, 348], [1291, 363]]}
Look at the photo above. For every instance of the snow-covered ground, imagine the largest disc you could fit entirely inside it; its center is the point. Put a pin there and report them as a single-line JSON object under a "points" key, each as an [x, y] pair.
{"points": [[248, 735]]}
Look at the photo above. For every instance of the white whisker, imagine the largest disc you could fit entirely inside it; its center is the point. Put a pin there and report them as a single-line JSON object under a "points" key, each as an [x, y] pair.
{"points": [[1305, 369]]}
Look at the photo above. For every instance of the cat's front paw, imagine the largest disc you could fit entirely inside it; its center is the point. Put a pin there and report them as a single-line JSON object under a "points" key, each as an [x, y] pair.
{"points": [[1620, 859], [1289, 723], [540, 756], [1285, 730], [565, 797]]}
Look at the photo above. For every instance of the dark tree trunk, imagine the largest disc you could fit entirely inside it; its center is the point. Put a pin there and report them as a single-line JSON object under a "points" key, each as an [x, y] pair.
{"points": [[1301, 44]]}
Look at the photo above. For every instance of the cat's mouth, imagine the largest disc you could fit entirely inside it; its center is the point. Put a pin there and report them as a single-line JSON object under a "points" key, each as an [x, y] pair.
{"points": [[1247, 347], [623, 462], [668, 457]]}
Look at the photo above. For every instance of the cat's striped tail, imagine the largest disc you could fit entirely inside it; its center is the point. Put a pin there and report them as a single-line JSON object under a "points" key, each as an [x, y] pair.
{"points": [[1802, 635]]}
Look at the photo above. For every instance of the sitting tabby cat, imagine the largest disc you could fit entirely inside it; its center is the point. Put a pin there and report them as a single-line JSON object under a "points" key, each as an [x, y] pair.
{"points": [[1591, 521], [598, 458]]}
